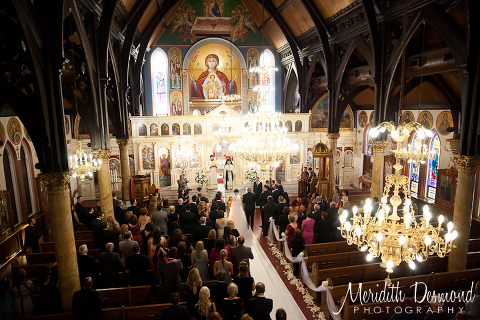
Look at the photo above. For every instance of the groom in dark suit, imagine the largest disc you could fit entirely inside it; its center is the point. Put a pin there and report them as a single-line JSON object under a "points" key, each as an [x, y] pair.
{"points": [[257, 189], [249, 206]]}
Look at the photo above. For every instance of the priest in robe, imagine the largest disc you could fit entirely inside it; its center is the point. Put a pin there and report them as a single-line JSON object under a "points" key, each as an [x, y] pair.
{"points": [[212, 174], [229, 175]]}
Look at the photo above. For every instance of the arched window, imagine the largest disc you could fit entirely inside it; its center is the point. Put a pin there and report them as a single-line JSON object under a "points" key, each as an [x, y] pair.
{"points": [[368, 144], [159, 63], [267, 59], [432, 168], [414, 176]]}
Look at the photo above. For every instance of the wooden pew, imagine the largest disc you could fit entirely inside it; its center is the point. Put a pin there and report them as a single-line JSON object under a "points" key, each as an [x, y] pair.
{"points": [[473, 245], [337, 260], [82, 235], [49, 247], [43, 257]]}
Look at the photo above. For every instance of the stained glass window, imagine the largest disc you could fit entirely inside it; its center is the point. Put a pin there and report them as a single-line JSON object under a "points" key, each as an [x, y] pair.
{"points": [[414, 177], [369, 146], [267, 59], [432, 169], [160, 83]]}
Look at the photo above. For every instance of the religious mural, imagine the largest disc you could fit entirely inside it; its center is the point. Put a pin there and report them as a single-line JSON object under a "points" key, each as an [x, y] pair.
{"points": [[370, 120], [319, 117], [242, 20], [165, 130], [142, 130], [4, 221], [165, 166], [426, 119], [2, 135], [175, 69], [445, 188], [407, 117], [131, 164], [298, 126], [252, 62], [147, 158], [288, 125], [187, 129], [252, 100], [444, 121], [176, 102], [27, 135], [14, 130], [213, 73], [183, 20], [346, 121], [175, 129], [197, 128], [362, 119], [154, 129]]}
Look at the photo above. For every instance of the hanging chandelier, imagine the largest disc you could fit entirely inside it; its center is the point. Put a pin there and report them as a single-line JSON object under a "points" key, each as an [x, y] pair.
{"points": [[83, 164], [183, 158]]}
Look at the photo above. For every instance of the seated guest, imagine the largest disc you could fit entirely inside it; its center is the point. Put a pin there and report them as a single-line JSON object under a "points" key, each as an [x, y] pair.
{"points": [[168, 272], [87, 303], [187, 220], [260, 307], [110, 265], [280, 314], [233, 305], [175, 311], [219, 289], [210, 241], [87, 267], [191, 288], [137, 264], [297, 245], [204, 307], [105, 236], [245, 282], [223, 264], [405, 305], [437, 309], [185, 258], [323, 229], [126, 246], [202, 230]]}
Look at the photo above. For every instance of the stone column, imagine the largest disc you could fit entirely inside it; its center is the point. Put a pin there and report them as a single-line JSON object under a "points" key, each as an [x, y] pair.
{"points": [[140, 160], [123, 145], [462, 212], [332, 137], [62, 228], [104, 184], [377, 171]]}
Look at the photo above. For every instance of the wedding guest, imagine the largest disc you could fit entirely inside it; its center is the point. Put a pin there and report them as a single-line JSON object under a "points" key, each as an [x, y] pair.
{"points": [[204, 307], [307, 228], [297, 245], [191, 288], [233, 305], [185, 258], [134, 228], [472, 307], [168, 272], [291, 227], [210, 241], [245, 283], [223, 264], [22, 291], [199, 260], [144, 219]]}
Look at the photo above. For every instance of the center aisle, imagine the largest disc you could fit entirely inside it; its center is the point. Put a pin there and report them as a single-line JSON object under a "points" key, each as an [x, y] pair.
{"points": [[262, 269]]}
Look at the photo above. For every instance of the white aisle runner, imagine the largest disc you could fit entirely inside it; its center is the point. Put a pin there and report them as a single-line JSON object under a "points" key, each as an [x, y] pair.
{"points": [[262, 269]]}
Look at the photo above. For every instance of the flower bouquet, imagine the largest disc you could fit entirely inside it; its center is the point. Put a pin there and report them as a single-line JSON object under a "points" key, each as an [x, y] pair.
{"points": [[201, 177]]}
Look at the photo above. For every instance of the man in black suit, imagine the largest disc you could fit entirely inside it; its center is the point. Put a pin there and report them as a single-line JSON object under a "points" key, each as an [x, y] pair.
{"points": [[279, 187], [180, 208], [87, 303], [240, 253], [201, 231], [134, 208], [282, 221], [332, 213], [257, 189], [194, 207], [97, 227], [87, 267], [214, 213], [260, 307], [218, 290], [262, 200], [278, 210], [181, 182], [80, 210], [276, 193], [116, 203], [188, 220], [137, 264], [267, 184], [249, 206], [110, 265], [175, 311], [208, 222], [310, 175], [119, 214], [31, 237], [322, 228], [105, 236], [317, 214], [218, 201]]}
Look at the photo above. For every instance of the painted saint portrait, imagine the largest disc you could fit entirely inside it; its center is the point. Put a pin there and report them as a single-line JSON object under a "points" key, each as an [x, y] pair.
{"points": [[183, 20], [208, 75], [252, 101], [319, 117], [445, 188], [298, 126], [288, 125], [142, 130], [154, 129], [197, 128], [346, 121], [370, 120], [407, 117], [362, 119], [444, 121], [175, 129], [176, 102], [165, 166], [165, 129], [242, 20], [14, 130], [175, 68], [425, 118], [187, 129], [253, 60]]}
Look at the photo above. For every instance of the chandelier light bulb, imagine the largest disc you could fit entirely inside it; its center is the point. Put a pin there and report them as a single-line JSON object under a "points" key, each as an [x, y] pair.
{"points": [[387, 210], [347, 226], [428, 241], [401, 240], [374, 133], [355, 210], [408, 202], [428, 216], [379, 237], [429, 133], [395, 134], [454, 234], [440, 219], [390, 264], [448, 237], [411, 264], [450, 226], [419, 258], [369, 257], [358, 231], [421, 134]]}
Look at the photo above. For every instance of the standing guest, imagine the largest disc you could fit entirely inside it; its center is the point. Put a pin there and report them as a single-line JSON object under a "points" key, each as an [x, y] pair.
{"points": [[7, 302], [97, 226], [283, 219], [262, 201], [134, 208], [317, 214], [199, 190], [137, 264], [213, 215], [188, 220], [199, 260], [240, 253], [87, 267], [280, 314], [144, 219], [235, 232], [257, 189], [134, 228], [223, 264], [181, 182], [219, 201], [123, 230], [344, 195], [323, 229], [191, 288], [178, 236], [336, 195], [175, 311], [155, 241], [403, 315], [146, 235], [310, 176], [105, 236], [180, 208], [297, 245], [119, 214], [47, 285], [233, 305], [246, 317], [128, 215], [168, 272], [229, 238], [260, 307], [278, 210], [113, 226], [245, 282], [194, 206], [116, 203], [172, 218], [219, 289], [31, 236], [87, 303], [332, 213], [307, 228], [278, 183], [126, 246], [202, 207], [204, 307], [287, 199], [160, 219], [267, 211], [110, 265], [214, 254], [375, 206], [201, 231], [22, 291], [306, 205], [221, 223], [80, 210], [248, 201], [291, 227], [186, 260], [275, 193], [75, 220], [208, 206], [210, 241], [437, 313]]}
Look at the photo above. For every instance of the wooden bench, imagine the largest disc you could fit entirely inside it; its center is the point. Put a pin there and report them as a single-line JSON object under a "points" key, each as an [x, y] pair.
{"points": [[44, 257], [81, 235], [328, 248], [336, 260], [49, 246]]}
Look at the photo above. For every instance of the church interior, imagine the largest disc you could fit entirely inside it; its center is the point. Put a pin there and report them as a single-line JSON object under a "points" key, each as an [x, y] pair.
{"points": [[362, 115]]}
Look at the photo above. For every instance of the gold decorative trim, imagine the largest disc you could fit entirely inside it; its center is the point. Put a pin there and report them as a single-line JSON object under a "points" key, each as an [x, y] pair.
{"points": [[102, 154], [333, 136], [56, 183], [467, 164], [379, 146], [123, 143]]}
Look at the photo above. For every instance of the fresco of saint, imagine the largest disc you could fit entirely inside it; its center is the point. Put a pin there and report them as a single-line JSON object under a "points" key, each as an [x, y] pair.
{"points": [[200, 88]]}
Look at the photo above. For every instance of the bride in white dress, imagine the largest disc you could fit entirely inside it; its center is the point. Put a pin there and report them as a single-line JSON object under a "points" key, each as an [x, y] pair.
{"points": [[238, 215]]}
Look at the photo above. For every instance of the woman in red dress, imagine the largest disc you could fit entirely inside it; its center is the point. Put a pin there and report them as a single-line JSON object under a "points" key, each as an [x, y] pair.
{"points": [[134, 228]]}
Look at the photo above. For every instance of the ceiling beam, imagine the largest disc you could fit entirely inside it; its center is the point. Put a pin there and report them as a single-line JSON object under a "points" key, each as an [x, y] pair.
{"points": [[438, 81], [134, 12], [283, 5]]}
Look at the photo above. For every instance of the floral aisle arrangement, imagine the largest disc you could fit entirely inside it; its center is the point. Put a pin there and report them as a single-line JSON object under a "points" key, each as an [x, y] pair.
{"points": [[201, 177], [251, 174]]}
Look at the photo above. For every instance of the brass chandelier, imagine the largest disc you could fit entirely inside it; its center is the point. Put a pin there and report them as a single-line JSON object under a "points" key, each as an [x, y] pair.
{"points": [[83, 164]]}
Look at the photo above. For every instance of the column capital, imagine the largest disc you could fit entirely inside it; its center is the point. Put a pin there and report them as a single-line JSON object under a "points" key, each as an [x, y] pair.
{"points": [[333, 137], [467, 164], [123, 143], [57, 183], [102, 154], [379, 146]]}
